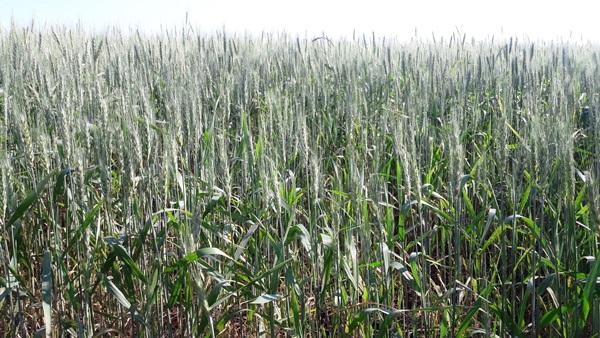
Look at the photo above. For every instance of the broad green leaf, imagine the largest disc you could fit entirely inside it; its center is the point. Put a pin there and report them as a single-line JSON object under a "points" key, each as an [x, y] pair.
{"points": [[30, 199], [121, 252]]}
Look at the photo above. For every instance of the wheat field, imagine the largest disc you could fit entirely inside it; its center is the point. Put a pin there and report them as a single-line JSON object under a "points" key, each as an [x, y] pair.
{"points": [[185, 184]]}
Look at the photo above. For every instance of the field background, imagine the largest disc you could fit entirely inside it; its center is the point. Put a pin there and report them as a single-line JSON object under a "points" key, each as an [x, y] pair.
{"points": [[213, 185]]}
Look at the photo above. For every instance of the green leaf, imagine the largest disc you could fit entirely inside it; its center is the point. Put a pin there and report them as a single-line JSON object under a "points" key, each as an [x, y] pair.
{"points": [[590, 285], [463, 188], [525, 196], [117, 293], [300, 231], [212, 252], [552, 316], [493, 237], [176, 290], [90, 216], [442, 214], [30, 200], [265, 299], [216, 199], [468, 318], [112, 288], [445, 324], [532, 226], [406, 275], [59, 186], [121, 252], [490, 218]]}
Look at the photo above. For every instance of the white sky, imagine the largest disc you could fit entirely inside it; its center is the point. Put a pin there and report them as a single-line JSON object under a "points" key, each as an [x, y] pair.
{"points": [[575, 19]]}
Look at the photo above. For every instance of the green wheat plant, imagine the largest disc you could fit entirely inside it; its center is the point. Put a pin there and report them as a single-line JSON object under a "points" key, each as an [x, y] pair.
{"points": [[186, 184]]}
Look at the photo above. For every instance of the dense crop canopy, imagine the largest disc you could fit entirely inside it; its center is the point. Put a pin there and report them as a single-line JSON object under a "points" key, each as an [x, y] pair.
{"points": [[202, 185]]}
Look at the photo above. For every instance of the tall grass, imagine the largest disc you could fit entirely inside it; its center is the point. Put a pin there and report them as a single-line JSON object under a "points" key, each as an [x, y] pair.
{"points": [[214, 185]]}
